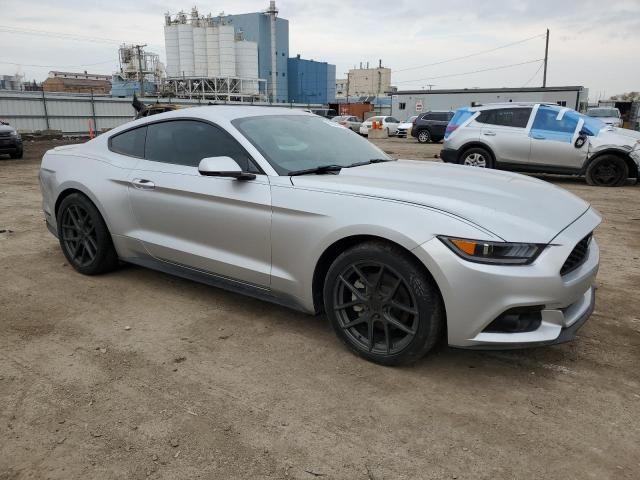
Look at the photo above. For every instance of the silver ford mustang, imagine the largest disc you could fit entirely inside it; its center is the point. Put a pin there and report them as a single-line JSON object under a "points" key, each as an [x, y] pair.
{"points": [[292, 208]]}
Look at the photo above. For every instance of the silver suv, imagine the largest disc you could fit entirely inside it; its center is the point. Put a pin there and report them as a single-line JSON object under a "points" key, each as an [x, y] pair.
{"points": [[542, 138]]}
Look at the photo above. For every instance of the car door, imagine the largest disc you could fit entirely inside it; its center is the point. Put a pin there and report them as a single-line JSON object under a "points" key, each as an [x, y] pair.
{"points": [[218, 225], [504, 130], [439, 124], [553, 135]]}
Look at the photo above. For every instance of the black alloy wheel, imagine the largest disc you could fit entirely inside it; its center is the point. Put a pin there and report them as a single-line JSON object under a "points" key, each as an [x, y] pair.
{"points": [[79, 235], [84, 237], [382, 305], [607, 171]]}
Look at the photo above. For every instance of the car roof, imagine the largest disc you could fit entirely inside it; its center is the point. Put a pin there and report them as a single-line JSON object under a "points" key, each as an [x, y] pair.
{"points": [[215, 114]]}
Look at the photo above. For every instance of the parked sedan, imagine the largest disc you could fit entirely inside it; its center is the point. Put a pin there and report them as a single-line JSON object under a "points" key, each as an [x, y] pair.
{"points": [[404, 128], [10, 141], [348, 121], [543, 138], [293, 209], [607, 115], [389, 125]]}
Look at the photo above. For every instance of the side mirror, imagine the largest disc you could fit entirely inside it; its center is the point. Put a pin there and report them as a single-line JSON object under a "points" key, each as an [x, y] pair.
{"points": [[223, 167]]}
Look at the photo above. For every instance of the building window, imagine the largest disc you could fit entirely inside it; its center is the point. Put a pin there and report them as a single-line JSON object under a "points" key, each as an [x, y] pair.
{"points": [[402, 106], [562, 103], [283, 74]]}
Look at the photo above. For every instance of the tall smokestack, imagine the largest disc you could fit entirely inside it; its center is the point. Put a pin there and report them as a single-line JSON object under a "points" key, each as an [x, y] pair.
{"points": [[273, 13]]}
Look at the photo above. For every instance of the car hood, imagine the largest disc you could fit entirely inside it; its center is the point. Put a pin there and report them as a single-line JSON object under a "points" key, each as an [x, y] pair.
{"points": [[405, 125], [616, 136], [6, 128], [608, 120], [514, 207]]}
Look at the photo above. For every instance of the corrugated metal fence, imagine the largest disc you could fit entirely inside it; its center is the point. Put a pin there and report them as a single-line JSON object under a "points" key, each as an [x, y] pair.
{"points": [[75, 114]]}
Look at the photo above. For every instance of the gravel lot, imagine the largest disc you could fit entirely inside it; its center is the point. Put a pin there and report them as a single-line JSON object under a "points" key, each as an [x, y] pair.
{"points": [[137, 374]]}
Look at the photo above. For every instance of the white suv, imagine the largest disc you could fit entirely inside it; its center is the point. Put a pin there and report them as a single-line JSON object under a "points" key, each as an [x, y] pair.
{"points": [[543, 138]]}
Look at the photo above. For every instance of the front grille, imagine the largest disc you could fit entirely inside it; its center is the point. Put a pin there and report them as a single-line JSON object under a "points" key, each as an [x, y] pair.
{"points": [[5, 134], [577, 256]]}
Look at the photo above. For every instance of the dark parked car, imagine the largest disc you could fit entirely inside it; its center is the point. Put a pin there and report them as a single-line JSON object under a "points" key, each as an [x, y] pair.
{"points": [[10, 140], [431, 126]]}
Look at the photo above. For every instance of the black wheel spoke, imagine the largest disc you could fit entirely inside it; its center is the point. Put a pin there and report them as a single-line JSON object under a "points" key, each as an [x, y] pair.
{"points": [[394, 289], [402, 307], [79, 235], [358, 321], [353, 289], [398, 324], [362, 276], [348, 305], [387, 337], [371, 334]]}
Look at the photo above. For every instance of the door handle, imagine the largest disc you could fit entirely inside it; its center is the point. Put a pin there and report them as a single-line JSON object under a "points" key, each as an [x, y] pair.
{"points": [[539, 137], [489, 134], [143, 184]]}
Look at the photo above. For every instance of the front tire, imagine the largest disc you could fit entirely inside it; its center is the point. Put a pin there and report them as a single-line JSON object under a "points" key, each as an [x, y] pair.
{"points": [[382, 305], [84, 237], [607, 171], [476, 157], [424, 136], [19, 153]]}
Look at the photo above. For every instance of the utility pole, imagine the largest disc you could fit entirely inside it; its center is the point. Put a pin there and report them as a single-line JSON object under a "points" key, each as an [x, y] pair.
{"points": [[141, 76], [546, 58]]}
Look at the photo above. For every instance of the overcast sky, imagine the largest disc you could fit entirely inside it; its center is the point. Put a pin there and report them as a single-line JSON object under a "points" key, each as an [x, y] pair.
{"points": [[594, 43]]}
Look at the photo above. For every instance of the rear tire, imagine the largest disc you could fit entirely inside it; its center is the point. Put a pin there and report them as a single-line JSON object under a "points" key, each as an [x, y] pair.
{"points": [[476, 157], [607, 171], [424, 136], [382, 305], [84, 237]]}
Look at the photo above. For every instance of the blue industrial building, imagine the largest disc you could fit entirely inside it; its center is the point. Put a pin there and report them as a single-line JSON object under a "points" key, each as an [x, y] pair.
{"points": [[256, 27], [311, 81]]}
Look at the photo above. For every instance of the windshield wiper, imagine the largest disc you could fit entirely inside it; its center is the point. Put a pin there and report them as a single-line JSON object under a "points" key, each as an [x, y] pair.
{"points": [[317, 170], [369, 162]]}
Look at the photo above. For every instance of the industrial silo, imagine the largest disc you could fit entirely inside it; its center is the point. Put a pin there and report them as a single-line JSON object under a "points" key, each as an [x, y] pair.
{"points": [[247, 65], [200, 51], [213, 52], [172, 49], [185, 41], [227, 50]]}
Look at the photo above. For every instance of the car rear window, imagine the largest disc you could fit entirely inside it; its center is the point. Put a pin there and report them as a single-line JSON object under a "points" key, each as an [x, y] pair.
{"points": [[130, 143]]}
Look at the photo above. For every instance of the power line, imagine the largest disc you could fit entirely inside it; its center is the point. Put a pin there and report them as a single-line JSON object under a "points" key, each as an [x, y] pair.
{"points": [[65, 36], [471, 54], [57, 66], [534, 75], [472, 72]]}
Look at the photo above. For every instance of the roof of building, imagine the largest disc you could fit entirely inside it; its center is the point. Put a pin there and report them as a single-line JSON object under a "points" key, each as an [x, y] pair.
{"points": [[572, 88]]}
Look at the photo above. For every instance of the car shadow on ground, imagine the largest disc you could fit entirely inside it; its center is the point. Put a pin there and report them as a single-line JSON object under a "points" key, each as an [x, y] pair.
{"points": [[441, 363]]}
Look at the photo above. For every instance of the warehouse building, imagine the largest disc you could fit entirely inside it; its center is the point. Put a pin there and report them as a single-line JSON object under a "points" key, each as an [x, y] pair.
{"points": [[311, 81], [74, 82], [409, 102]]}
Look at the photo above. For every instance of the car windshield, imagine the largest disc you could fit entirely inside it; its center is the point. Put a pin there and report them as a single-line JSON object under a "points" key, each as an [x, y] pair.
{"points": [[298, 142], [374, 119], [339, 119], [603, 112], [410, 119]]}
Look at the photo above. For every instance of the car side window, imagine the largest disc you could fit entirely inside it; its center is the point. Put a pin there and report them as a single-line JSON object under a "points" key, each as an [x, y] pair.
{"points": [[187, 142], [428, 116], [130, 143], [506, 117]]}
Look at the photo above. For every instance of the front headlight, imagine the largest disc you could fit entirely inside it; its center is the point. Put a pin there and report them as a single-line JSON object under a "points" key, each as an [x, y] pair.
{"points": [[500, 253]]}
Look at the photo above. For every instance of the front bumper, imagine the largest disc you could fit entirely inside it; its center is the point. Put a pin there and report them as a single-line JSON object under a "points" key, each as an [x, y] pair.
{"points": [[10, 145], [476, 294]]}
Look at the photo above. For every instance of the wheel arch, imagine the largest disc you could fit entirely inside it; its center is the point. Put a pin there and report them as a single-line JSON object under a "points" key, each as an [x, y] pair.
{"points": [[475, 144], [631, 164], [336, 248], [75, 188]]}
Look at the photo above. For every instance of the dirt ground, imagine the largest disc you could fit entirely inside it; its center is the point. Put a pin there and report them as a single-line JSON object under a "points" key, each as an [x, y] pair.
{"points": [[137, 374]]}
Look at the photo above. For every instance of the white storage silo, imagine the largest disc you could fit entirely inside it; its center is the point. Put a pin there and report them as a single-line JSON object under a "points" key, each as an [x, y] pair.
{"points": [[172, 49], [185, 42], [200, 51], [247, 65], [226, 35], [213, 52]]}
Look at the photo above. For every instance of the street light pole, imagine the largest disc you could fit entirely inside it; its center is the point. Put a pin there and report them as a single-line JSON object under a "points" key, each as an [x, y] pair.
{"points": [[546, 58]]}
